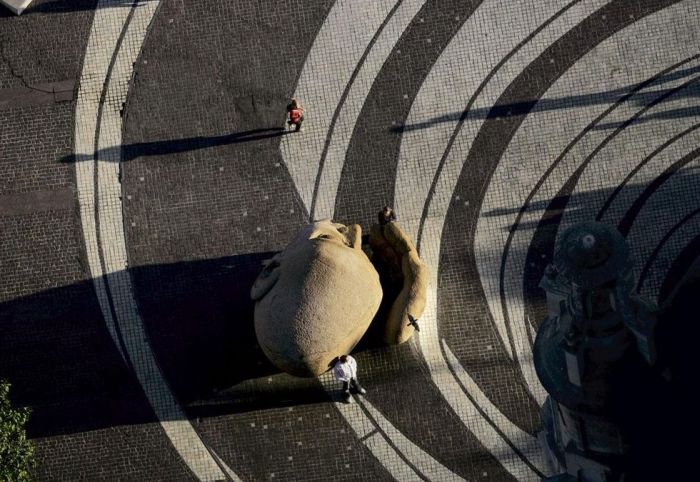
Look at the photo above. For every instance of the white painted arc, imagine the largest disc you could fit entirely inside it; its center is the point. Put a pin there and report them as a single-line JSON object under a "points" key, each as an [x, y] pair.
{"points": [[451, 391], [663, 157], [445, 92], [106, 27], [110, 18], [413, 154], [416, 157], [302, 152], [617, 160], [668, 253], [173, 419], [392, 460], [525, 160], [523, 441], [321, 86], [454, 163], [676, 198], [341, 134], [421, 460], [626, 197], [232, 476]]}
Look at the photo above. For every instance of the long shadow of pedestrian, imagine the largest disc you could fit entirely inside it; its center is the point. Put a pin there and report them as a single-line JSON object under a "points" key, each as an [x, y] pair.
{"points": [[129, 152]]}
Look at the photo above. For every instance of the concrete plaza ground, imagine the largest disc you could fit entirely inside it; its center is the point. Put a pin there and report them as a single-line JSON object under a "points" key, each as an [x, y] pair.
{"points": [[145, 174]]}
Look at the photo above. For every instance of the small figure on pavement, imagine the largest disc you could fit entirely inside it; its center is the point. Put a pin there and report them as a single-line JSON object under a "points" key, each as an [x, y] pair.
{"points": [[345, 370], [296, 114]]}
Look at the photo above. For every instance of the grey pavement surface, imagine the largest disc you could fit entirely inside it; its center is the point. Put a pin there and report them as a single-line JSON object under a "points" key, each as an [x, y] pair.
{"points": [[146, 173]]}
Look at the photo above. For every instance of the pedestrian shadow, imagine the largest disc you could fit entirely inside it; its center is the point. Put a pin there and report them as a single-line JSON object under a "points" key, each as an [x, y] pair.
{"points": [[129, 152]]}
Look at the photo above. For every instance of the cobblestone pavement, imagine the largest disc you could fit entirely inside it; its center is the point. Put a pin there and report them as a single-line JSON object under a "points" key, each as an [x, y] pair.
{"points": [[146, 172]]}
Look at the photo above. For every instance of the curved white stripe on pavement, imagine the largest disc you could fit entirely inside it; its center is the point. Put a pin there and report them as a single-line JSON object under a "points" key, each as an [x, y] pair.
{"points": [[426, 465], [110, 17], [669, 154], [617, 159], [523, 441], [350, 110], [462, 66], [668, 253], [674, 200], [106, 28], [604, 69], [344, 37], [422, 154], [454, 163], [338, 47], [462, 406], [422, 149], [382, 446]]}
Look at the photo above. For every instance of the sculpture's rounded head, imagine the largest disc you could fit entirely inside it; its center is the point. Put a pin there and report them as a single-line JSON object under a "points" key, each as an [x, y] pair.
{"points": [[315, 299]]}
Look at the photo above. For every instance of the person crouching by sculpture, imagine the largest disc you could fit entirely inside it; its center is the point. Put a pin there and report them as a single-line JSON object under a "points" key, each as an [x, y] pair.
{"points": [[386, 215], [345, 370]]}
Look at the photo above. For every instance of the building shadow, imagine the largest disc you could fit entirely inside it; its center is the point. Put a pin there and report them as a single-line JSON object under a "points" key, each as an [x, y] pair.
{"points": [[59, 355], [57, 351]]}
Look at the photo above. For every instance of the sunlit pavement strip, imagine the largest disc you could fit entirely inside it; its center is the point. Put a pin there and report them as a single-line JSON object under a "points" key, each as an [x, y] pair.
{"points": [[413, 159], [648, 135], [676, 241], [523, 163], [413, 151], [302, 155], [431, 234], [338, 137], [327, 71], [465, 409], [671, 198], [405, 462], [110, 19]]}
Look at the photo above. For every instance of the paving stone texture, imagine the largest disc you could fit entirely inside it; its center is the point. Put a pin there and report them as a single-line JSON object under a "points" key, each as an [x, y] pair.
{"points": [[136, 210]]}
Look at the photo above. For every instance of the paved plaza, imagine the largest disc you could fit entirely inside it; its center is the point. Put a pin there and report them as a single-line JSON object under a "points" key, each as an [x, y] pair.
{"points": [[146, 173]]}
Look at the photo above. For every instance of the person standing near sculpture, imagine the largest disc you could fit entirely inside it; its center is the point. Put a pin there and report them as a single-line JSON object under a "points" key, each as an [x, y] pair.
{"points": [[387, 215], [296, 114], [345, 370]]}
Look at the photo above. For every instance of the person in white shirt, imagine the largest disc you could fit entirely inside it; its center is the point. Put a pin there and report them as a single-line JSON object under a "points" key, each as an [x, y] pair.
{"points": [[345, 370]]}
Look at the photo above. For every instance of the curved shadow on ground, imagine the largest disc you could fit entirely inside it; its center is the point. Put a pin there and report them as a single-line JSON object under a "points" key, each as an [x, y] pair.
{"points": [[59, 355]]}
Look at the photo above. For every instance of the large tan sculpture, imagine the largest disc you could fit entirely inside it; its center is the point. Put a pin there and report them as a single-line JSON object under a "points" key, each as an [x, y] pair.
{"points": [[317, 298], [394, 252]]}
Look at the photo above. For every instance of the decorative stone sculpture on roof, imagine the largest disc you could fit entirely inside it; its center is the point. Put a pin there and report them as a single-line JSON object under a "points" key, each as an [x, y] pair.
{"points": [[594, 354]]}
